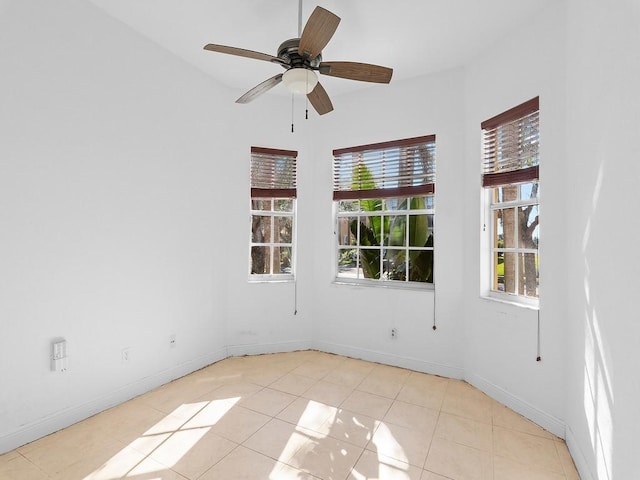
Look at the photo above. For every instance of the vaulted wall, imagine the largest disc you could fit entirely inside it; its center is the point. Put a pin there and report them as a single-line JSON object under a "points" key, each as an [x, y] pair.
{"points": [[108, 156]]}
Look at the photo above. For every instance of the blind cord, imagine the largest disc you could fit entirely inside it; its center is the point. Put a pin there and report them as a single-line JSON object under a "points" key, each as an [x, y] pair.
{"points": [[295, 296], [434, 308], [538, 358]]}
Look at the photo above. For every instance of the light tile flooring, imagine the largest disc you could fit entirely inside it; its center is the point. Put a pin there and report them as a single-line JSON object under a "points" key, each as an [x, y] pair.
{"points": [[301, 415]]}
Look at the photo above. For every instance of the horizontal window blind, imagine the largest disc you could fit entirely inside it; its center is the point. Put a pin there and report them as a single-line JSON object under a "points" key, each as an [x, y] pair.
{"points": [[511, 141], [273, 173], [384, 170]]}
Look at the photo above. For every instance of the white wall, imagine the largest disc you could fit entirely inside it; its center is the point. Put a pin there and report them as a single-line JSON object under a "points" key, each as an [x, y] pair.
{"points": [[357, 320], [108, 155], [500, 346], [267, 317], [603, 105]]}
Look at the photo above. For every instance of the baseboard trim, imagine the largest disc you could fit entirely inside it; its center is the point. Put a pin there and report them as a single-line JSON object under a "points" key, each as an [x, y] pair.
{"points": [[74, 414], [578, 456], [515, 403], [263, 348], [391, 359], [67, 417]]}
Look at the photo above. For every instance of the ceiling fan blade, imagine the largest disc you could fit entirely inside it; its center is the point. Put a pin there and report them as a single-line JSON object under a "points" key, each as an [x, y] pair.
{"points": [[258, 90], [320, 27], [320, 100], [364, 72], [241, 52]]}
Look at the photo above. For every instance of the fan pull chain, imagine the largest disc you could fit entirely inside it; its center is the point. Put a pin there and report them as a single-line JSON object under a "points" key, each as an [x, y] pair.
{"points": [[292, 113], [306, 105]]}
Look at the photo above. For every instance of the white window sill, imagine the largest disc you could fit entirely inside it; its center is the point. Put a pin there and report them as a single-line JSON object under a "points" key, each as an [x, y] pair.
{"points": [[415, 286], [513, 300], [272, 279]]}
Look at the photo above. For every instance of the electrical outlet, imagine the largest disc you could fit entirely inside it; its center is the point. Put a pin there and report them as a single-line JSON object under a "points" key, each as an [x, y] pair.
{"points": [[172, 340], [394, 333], [59, 355], [126, 355]]}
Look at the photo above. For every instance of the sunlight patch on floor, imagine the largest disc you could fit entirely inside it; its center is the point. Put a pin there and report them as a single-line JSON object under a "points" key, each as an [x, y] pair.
{"points": [[170, 440], [386, 442]]}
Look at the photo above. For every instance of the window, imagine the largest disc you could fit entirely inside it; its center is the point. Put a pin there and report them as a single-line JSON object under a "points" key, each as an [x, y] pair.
{"points": [[273, 213], [384, 204], [510, 181]]}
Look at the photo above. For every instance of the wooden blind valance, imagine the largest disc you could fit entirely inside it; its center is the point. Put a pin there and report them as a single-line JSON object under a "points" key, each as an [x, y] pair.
{"points": [[511, 141], [385, 170], [273, 173]]}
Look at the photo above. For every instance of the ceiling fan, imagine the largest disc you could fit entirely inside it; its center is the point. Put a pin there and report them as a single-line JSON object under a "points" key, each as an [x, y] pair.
{"points": [[302, 58]]}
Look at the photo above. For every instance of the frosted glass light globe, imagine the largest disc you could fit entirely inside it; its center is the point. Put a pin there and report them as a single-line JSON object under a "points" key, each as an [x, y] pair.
{"points": [[300, 80]]}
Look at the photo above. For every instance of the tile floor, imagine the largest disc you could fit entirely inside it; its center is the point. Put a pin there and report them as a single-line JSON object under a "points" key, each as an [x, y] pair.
{"points": [[300, 415]]}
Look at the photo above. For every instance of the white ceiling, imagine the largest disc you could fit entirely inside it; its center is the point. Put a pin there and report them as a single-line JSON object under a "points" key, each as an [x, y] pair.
{"points": [[414, 37]]}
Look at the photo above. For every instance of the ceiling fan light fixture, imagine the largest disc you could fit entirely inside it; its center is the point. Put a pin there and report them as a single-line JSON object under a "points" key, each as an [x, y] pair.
{"points": [[300, 80]]}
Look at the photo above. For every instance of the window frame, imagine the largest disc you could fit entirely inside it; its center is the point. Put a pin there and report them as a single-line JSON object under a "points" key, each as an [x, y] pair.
{"points": [[428, 212], [498, 173], [516, 249], [271, 244], [396, 188], [268, 187]]}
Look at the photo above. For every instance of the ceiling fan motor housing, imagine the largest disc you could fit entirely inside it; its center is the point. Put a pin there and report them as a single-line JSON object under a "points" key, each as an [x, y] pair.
{"points": [[288, 51]]}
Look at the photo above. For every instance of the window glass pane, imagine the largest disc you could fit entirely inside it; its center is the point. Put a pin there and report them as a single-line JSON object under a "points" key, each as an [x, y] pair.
{"points": [[420, 230], [432, 229], [422, 203], [396, 230], [430, 201], [370, 263], [421, 266], [370, 230], [371, 205], [283, 229], [528, 226], [347, 231], [348, 263], [505, 272], [496, 195], [348, 205], [260, 229], [510, 193], [507, 193], [282, 260], [260, 204], [395, 204], [529, 191], [529, 274], [283, 204], [394, 265], [260, 259], [505, 224]]}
